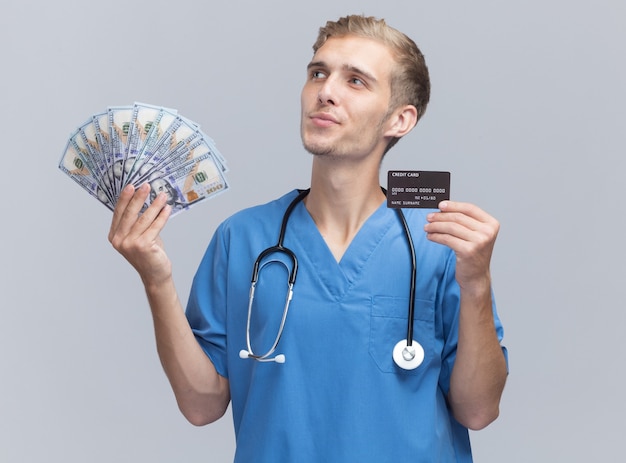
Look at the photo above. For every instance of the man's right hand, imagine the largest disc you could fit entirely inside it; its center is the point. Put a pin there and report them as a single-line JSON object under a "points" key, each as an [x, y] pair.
{"points": [[136, 236]]}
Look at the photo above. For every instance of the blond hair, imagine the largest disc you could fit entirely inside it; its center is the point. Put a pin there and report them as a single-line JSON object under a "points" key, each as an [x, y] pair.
{"points": [[410, 83]]}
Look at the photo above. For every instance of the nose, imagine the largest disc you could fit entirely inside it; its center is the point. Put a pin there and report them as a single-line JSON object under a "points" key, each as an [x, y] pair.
{"points": [[327, 93]]}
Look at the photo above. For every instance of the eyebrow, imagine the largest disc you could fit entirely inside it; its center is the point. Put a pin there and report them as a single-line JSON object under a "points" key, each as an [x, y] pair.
{"points": [[345, 67]]}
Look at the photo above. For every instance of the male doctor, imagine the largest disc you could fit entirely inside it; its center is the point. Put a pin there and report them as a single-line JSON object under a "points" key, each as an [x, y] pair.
{"points": [[338, 397]]}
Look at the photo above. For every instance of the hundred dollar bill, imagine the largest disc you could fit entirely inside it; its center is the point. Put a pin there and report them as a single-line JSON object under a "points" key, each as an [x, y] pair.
{"points": [[119, 118], [142, 119], [72, 164], [198, 181], [176, 145], [185, 155], [101, 125], [187, 149], [219, 158], [90, 142], [154, 150], [82, 149], [149, 124]]}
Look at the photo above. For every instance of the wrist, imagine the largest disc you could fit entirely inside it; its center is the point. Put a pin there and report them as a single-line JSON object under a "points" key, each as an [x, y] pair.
{"points": [[477, 289], [157, 286]]}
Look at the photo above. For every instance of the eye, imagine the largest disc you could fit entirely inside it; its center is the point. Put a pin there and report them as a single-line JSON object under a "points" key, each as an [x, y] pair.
{"points": [[317, 74], [357, 81]]}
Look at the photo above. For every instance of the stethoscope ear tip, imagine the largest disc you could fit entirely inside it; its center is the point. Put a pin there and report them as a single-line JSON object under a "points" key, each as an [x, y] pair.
{"points": [[245, 354]]}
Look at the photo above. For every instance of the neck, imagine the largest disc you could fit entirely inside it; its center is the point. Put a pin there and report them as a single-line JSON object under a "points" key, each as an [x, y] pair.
{"points": [[341, 200]]}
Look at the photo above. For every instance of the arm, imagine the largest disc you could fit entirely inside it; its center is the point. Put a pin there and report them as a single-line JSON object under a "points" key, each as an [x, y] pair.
{"points": [[479, 371], [202, 394]]}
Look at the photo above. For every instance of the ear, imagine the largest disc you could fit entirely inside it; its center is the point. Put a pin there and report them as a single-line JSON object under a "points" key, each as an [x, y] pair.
{"points": [[402, 121]]}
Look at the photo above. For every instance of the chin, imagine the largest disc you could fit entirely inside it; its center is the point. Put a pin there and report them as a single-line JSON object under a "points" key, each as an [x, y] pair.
{"points": [[317, 150]]}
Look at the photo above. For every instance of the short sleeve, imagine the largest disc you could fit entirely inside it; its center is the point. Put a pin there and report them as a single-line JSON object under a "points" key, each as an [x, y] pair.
{"points": [[449, 307], [206, 307]]}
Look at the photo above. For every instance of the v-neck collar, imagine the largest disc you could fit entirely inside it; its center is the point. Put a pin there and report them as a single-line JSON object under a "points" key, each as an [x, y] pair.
{"points": [[339, 277]]}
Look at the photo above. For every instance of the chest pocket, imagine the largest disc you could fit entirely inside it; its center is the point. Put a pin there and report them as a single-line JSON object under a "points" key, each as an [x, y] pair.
{"points": [[388, 325]]}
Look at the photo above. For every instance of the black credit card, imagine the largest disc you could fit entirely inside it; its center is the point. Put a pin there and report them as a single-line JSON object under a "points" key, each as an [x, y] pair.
{"points": [[417, 188]]}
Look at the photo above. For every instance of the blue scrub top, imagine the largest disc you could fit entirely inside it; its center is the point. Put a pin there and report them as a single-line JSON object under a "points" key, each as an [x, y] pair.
{"points": [[339, 397]]}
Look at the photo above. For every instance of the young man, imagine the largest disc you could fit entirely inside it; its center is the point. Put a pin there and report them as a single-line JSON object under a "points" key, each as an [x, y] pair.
{"points": [[338, 396]]}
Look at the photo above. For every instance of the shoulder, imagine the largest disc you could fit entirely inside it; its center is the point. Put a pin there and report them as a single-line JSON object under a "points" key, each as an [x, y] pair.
{"points": [[258, 217], [276, 206]]}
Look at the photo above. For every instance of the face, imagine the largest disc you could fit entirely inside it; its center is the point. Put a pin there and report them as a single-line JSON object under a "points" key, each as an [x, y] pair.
{"points": [[118, 167], [345, 100], [162, 186]]}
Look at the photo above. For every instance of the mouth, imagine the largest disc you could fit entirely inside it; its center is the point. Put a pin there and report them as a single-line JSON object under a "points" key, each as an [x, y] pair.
{"points": [[323, 119]]}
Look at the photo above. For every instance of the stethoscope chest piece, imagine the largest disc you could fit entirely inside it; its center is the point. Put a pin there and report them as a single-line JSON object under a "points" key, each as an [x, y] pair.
{"points": [[408, 357]]}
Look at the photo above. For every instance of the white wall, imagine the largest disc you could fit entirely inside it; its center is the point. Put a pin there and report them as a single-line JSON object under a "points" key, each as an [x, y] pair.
{"points": [[527, 112]]}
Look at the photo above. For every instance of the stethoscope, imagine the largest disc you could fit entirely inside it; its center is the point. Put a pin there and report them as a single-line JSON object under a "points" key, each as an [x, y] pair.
{"points": [[407, 353]]}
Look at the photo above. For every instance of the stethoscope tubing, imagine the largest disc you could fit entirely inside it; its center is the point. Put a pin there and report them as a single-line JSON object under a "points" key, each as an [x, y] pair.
{"points": [[407, 363], [411, 314], [293, 273]]}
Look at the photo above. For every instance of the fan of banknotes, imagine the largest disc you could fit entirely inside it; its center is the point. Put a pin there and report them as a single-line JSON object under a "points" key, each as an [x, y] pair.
{"points": [[140, 144]]}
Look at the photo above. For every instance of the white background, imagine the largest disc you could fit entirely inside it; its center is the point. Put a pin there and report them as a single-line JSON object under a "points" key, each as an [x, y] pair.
{"points": [[527, 112]]}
